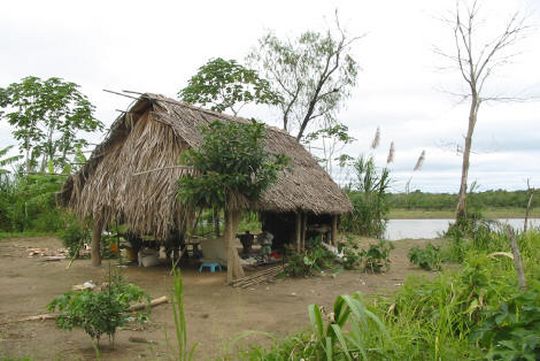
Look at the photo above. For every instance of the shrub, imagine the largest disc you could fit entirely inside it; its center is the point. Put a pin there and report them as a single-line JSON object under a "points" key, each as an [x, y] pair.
{"points": [[377, 257], [97, 312], [74, 236], [428, 258], [512, 331], [309, 262]]}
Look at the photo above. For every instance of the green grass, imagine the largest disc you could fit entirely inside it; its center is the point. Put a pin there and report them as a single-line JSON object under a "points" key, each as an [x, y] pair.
{"points": [[27, 234], [401, 213]]}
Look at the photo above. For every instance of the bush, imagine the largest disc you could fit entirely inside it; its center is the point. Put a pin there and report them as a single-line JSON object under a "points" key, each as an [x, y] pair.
{"points": [[377, 257], [74, 236], [428, 258], [512, 331], [97, 312], [309, 262]]}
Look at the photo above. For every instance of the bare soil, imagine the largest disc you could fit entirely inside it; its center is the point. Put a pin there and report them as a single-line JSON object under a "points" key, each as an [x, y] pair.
{"points": [[216, 314]]}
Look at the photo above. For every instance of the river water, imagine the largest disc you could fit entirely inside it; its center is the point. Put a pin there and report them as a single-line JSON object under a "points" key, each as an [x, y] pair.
{"points": [[432, 228]]}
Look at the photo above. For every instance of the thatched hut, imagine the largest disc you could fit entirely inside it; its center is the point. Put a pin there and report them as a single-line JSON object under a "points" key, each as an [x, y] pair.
{"points": [[132, 176]]}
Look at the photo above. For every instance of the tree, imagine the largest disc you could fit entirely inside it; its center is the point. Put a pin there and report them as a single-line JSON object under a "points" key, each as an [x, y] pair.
{"points": [[476, 62], [225, 84], [314, 74], [46, 115], [231, 171]]}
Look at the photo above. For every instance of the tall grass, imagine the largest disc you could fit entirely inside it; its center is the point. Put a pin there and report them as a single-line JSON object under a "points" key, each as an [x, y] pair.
{"points": [[184, 353]]}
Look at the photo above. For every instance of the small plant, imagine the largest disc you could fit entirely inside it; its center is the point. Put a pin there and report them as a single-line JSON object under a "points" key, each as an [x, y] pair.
{"points": [[180, 326], [309, 262], [352, 257], [377, 257], [428, 258], [97, 312], [333, 339]]}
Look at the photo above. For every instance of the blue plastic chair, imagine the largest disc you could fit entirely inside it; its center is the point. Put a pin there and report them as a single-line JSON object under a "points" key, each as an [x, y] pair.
{"points": [[212, 266]]}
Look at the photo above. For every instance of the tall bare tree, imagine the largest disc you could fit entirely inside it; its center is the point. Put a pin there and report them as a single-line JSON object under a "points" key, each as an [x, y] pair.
{"points": [[476, 61]]}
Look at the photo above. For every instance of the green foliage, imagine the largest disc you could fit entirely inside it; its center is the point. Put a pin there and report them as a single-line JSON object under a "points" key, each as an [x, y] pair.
{"points": [[352, 256], [180, 326], [224, 84], [47, 114], [333, 340], [6, 160], [232, 166], [27, 203], [370, 206], [377, 257], [97, 312], [314, 74], [74, 236], [428, 258], [309, 262], [512, 331]]}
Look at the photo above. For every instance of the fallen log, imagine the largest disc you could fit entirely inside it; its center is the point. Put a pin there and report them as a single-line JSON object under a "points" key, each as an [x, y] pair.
{"points": [[52, 316], [155, 302]]}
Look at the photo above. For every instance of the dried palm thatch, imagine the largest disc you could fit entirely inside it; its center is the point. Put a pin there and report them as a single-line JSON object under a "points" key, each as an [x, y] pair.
{"points": [[132, 176]]}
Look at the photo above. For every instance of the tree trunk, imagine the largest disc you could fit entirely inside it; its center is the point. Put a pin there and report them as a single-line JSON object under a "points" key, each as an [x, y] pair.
{"points": [[234, 268], [528, 209], [216, 222], [96, 242], [461, 208]]}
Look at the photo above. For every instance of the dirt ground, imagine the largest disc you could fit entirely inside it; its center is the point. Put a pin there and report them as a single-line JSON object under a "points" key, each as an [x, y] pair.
{"points": [[216, 314]]}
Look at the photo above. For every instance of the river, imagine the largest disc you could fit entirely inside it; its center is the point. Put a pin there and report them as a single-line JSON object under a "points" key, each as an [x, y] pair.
{"points": [[432, 228]]}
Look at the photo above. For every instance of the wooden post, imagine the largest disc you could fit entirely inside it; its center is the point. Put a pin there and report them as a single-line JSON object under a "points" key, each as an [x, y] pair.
{"points": [[333, 234], [303, 232], [298, 230], [96, 242]]}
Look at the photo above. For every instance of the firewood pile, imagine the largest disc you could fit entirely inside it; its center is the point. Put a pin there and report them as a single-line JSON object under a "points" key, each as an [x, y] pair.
{"points": [[259, 277]]}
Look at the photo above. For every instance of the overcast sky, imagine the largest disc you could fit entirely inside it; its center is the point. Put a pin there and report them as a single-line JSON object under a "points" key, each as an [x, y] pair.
{"points": [[156, 46]]}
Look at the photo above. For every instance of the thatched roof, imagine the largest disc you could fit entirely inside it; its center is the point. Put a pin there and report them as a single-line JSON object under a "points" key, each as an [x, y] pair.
{"points": [[117, 181]]}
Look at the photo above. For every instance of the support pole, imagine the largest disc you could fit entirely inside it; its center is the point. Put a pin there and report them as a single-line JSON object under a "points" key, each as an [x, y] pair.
{"points": [[333, 233], [96, 242], [298, 233], [303, 232]]}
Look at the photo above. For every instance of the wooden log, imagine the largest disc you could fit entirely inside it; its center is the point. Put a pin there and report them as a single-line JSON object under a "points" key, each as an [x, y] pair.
{"points": [[155, 302], [333, 233], [52, 316]]}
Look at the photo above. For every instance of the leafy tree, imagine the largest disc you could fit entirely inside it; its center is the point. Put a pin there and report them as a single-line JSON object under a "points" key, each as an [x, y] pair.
{"points": [[46, 115], [231, 171], [314, 74], [225, 84]]}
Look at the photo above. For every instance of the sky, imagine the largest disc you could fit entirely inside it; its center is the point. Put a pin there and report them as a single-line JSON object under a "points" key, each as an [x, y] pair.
{"points": [[404, 87]]}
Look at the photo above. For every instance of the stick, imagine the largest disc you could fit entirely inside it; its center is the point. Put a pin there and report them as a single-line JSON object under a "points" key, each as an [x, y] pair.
{"points": [[163, 168], [517, 258], [52, 316]]}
